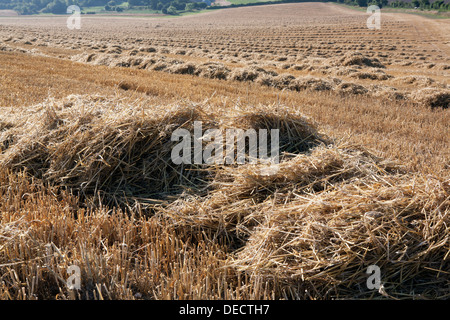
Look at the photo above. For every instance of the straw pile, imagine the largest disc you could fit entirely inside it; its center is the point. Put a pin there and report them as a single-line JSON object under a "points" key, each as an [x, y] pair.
{"points": [[351, 88], [388, 92], [352, 65], [92, 144], [240, 197], [244, 74], [372, 74], [313, 228], [432, 97], [357, 59], [213, 70], [416, 80], [321, 246]]}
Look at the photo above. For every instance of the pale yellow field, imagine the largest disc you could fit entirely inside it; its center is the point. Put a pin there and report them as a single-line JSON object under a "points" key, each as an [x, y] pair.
{"points": [[86, 178]]}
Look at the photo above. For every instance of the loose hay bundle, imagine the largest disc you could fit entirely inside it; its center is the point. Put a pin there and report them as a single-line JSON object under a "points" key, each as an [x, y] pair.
{"points": [[432, 97], [311, 83], [184, 68], [372, 74], [244, 74], [358, 59], [310, 229], [213, 70], [321, 246], [241, 197], [390, 93], [282, 81], [91, 144], [351, 88], [416, 80]]}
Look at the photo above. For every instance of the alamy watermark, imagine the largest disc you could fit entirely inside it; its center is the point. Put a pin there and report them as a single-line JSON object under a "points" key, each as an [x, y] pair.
{"points": [[74, 280], [241, 147], [374, 21], [74, 21], [374, 280]]}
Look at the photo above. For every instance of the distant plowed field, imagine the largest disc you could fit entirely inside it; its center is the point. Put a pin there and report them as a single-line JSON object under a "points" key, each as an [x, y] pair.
{"points": [[87, 178]]}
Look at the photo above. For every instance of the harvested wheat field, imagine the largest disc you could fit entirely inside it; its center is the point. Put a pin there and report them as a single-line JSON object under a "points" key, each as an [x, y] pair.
{"points": [[87, 176]]}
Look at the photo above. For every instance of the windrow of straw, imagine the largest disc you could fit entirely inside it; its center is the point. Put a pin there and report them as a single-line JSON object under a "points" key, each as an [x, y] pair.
{"points": [[352, 65], [93, 144]]}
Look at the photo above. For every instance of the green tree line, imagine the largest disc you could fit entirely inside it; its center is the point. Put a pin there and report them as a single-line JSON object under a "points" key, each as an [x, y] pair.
{"points": [[174, 6], [422, 4], [60, 6]]}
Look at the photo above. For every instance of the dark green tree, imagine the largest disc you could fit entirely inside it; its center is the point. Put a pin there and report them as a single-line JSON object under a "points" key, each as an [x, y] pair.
{"points": [[362, 3], [56, 7], [172, 10]]}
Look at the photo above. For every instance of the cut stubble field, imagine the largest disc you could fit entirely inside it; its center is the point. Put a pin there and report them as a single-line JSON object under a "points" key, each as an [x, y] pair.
{"points": [[85, 174]]}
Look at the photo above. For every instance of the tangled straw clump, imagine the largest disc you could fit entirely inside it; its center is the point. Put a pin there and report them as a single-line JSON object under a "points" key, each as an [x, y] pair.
{"points": [[356, 58], [352, 88], [213, 70], [311, 83], [416, 80], [92, 144], [240, 197], [373, 74], [245, 74], [314, 227], [432, 97], [322, 245]]}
